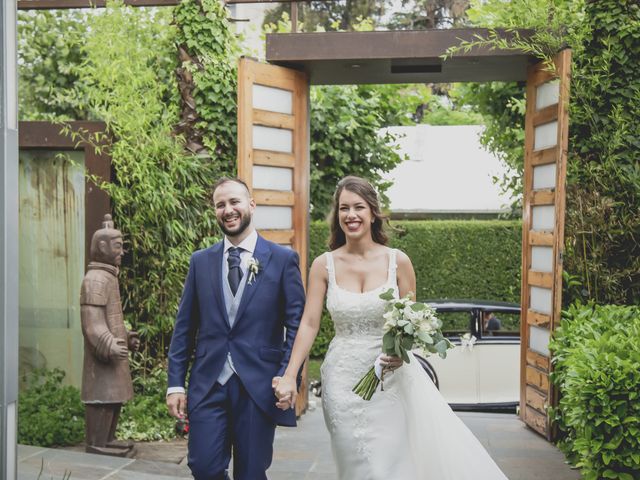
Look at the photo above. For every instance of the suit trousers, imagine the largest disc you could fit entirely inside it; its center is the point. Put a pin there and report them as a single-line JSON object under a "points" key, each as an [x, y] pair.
{"points": [[228, 419]]}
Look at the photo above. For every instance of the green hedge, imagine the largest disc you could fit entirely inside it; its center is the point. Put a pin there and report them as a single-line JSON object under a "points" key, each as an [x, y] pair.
{"points": [[596, 367], [452, 259], [50, 413]]}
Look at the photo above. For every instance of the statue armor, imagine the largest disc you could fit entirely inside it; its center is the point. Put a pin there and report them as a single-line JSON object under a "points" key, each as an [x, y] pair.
{"points": [[106, 378], [100, 289]]}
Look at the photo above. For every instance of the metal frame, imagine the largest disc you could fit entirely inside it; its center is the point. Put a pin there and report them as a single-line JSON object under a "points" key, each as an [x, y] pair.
{"points": [[8, 241]]}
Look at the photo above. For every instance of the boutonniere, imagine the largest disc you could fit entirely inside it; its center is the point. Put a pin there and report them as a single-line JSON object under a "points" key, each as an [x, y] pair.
{"points": [[254, 269]]}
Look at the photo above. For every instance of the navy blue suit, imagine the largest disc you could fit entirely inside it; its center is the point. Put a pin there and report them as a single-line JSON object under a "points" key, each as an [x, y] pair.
{"points": [[241, 413]]}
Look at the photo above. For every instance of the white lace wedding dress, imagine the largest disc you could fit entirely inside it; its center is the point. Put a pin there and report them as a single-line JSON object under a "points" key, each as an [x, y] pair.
{"points": [[405, 432]]}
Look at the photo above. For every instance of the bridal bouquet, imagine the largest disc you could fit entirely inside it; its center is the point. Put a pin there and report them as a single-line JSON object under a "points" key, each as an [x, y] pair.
{"points": [[408, 325]]}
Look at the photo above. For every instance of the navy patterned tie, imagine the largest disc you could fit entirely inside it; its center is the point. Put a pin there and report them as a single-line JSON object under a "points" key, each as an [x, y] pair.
{"points": [[235, 272]]}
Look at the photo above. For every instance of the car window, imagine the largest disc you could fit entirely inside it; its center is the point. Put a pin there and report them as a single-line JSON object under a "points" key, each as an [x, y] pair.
{"points": [[500, 324], [455, 324]]}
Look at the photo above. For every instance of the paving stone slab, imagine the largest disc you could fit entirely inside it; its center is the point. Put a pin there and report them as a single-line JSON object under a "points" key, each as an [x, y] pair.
{"points": [[302, 453]]}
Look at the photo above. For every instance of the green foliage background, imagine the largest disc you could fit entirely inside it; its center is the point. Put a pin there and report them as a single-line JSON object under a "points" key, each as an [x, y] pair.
{"points": [[145, 417], [452, 259], [50, 49], [160, 192], [597, 354], [203, 30]]}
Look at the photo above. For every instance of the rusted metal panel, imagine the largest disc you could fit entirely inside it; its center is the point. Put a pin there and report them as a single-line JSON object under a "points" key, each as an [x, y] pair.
{"points": [[52, 245], [48, 136]]}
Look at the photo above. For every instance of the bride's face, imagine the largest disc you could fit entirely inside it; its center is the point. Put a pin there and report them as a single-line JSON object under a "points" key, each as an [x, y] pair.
{"points": [[354, 215]]}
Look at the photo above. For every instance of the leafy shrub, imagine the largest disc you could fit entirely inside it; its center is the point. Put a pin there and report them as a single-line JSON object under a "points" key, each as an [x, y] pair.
{"points": [[49, 413], [597, 359], [146, 417], [452, 259]]}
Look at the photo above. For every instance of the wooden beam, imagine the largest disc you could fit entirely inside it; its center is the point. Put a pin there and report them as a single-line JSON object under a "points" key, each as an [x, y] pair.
{"points": [[273, 119], [540, 279], [542, 197], [537, 379], [273, 159], [538, 319], [537, 400], [541, 239], [546, 115], [544, 157], [66, 4], [273, 197], [283, 237], [536, 420], [538, 361], [270, 1]]}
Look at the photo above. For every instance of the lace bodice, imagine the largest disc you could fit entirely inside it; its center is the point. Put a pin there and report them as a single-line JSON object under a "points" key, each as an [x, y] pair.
{"points": [[355, 313]]}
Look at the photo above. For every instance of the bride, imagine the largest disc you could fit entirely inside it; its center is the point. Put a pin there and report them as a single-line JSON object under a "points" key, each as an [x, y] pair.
{"points": [[406, 431]]}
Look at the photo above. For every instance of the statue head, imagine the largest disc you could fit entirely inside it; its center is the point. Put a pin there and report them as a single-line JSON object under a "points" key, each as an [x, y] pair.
{"points": [[106, 244]]}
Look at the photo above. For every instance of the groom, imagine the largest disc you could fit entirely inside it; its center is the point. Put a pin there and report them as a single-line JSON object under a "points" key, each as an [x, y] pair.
{"points": [[239, 314]]}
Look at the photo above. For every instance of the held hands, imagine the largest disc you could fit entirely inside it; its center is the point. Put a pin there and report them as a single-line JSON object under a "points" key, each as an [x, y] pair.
{"points": [[286, 391], [177, 404]]}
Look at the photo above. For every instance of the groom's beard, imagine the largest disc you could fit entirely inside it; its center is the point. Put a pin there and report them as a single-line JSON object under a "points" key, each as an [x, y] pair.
{"points": [[245, 221]]}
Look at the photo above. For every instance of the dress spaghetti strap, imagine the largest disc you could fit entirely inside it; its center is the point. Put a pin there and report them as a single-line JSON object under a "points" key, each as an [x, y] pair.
{"points": [[331, 268], [393, 267]]}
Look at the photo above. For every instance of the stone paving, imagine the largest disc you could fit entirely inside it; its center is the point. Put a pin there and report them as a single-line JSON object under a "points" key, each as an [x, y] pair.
{"points": [[302, 453]]}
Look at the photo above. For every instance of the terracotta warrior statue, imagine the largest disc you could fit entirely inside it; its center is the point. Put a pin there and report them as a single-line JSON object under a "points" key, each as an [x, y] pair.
{"points": [[106, 379]]}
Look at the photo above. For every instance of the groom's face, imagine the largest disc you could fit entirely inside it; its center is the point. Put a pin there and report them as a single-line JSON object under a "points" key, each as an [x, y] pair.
{"points": [[234, 208]]}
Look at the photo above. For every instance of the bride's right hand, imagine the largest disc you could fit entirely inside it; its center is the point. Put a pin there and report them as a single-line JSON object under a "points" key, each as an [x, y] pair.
{"points": [[286, 392]]}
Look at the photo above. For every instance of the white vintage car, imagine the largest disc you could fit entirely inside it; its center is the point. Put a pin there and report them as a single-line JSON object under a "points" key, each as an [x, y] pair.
{"points": [[483, 370]]}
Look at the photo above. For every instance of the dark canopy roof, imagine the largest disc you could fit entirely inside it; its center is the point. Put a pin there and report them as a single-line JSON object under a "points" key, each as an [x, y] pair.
{"points": [[395, 57]]}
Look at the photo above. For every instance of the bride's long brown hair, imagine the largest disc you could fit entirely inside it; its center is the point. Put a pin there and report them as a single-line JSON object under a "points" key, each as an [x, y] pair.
{"points": [[362, 188]]}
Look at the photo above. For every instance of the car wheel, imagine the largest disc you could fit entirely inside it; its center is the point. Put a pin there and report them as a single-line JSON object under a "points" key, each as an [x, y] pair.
{"points": [[429, 369]]}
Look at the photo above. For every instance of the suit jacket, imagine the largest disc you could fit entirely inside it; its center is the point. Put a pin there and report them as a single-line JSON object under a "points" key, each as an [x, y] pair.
{"points": [[261, 338]]}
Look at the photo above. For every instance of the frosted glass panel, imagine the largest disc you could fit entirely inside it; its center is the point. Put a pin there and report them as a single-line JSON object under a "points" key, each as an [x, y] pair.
{"points": [[267, 217], [272, 178], [272, 99], [541, 300], [544, 176], [547, 94], [542, 259], [539, 339], [543, 218], [275, 139], [545, 135]]}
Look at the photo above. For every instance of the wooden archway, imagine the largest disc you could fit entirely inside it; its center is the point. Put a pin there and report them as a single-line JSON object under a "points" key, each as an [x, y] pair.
{"points": [[417, 57]]}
